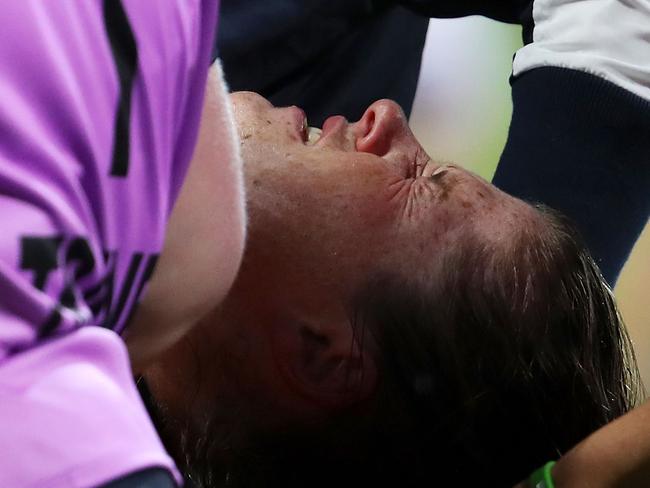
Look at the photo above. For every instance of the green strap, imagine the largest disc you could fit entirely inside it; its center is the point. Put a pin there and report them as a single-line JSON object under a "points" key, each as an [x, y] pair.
{"points": [[542, 478]]}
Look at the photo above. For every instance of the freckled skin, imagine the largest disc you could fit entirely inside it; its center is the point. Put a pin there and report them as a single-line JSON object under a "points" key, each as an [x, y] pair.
{"points": [[326, 217], [365, 189]]}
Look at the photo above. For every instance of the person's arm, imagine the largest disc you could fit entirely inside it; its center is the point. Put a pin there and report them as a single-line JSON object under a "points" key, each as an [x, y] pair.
{"points": [[100, 104], [578, 139], [616, 456], [204, 239]]}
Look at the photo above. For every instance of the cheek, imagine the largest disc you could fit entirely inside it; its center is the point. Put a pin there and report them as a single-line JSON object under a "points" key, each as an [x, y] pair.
{"points": [[362, 201], [320, 204]]}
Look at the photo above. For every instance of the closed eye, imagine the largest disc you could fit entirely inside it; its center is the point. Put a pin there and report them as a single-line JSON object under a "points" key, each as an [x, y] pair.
{"points": [[439, 173], [420, 162]]}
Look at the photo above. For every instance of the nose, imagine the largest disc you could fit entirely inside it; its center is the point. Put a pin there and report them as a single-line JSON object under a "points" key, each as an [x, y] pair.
{"points": [[382, 125]]}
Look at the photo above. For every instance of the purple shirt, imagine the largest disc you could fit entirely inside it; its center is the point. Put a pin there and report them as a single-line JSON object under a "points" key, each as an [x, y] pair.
{"points": [[98, 120]]}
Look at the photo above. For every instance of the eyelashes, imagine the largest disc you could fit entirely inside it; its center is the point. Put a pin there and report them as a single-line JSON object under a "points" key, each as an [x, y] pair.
{"points": [[419, 163], [439, 172]]}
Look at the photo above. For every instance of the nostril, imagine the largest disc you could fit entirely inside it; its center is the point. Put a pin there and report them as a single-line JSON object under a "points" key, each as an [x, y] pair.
{"points": [[374, 136], [369, 123], [365, 123], [381, 125]]}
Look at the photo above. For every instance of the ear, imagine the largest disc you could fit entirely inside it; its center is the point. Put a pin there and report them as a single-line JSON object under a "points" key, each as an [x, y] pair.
{"points": [[330, 365]]}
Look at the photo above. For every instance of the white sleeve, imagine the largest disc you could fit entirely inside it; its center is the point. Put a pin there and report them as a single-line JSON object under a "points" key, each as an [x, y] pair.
{"points": [[607, 38]]}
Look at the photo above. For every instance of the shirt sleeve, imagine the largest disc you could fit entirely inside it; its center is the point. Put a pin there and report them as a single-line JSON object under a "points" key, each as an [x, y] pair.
{"points": [[100, 113], [578, 138], [101, 102], [53, 122]]}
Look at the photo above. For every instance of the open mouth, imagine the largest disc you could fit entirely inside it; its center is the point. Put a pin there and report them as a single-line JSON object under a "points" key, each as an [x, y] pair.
{"points": [[312, 135], [332, 125]]}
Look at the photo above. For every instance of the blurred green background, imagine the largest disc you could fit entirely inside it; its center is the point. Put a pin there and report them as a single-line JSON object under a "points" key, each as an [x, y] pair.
{"points": [[461, 113]]}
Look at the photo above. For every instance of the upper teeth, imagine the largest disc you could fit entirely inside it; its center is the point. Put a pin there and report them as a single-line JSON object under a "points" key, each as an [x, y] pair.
{"points": [[313, 134]]}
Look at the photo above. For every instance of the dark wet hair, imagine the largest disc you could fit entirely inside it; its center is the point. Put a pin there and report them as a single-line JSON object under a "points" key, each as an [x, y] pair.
{"points": [[504, 359], [512, 355]]}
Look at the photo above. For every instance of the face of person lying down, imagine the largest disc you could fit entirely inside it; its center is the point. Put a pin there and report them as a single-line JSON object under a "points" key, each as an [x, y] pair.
{"points": [[329, 207], [327, 210], [284, 364]]}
